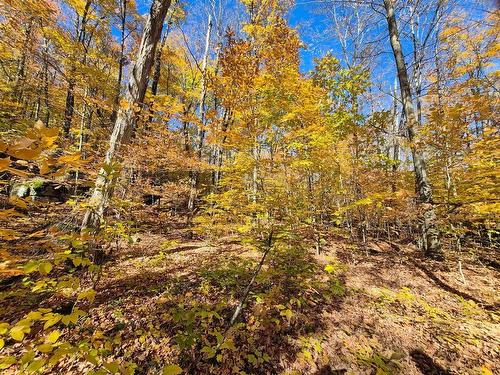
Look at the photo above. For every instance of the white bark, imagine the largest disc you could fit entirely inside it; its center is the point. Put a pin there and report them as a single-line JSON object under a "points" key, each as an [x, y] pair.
{"points": [[201, 131], [126, 118], [430, 232]]}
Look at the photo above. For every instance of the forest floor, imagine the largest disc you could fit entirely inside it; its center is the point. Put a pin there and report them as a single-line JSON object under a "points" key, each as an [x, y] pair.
{"points": [[375, 308]]}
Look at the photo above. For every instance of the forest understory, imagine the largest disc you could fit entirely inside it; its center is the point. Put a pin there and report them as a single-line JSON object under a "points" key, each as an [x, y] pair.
{"points": [[355, 308], [249, 187]]}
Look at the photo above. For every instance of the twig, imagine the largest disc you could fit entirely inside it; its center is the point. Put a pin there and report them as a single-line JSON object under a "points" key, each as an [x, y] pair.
{"points": [[243, 300], [249, 286], [460, 270]]}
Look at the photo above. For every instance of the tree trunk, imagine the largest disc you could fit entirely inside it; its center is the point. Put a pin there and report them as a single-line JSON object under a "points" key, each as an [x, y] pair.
{"points": [[46, 82], [394, 141], [21, 68], [201, 131], [417, 61], [126, 117], [219, 151], [121, 61], [70, 94], [69, 107], [157, 63], [432, 245], [157, 74]]}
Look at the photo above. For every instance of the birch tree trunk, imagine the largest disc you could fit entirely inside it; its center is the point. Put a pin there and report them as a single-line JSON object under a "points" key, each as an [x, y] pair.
{"points": [[200, 136], [430, 233], [393, 149], [121, 62], [126, 117]]}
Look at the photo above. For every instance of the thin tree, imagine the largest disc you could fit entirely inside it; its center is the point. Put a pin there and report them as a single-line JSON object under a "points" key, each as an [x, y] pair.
{"points": [[81, 29], [430, 233], [121, 60], [200, 136]]}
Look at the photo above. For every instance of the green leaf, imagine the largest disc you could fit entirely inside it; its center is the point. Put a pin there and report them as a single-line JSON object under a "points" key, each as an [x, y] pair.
{"points": [[28, 357], [252, 359], [53, 336], [228, 344], [108, 168], [45, 348], [209, 352], [17, 333], [287, 313], [35, 365], [218, 336], [112, 367], [30, 267], [172, 370], [77, 261], [92, 359], [6, 362], [45, 268]]}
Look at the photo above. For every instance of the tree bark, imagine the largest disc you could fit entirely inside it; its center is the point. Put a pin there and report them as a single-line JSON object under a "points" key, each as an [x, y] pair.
{"points": [[218, 159], [21, 68], [46, 82], [430, 232], [201, 131], [157, 74], [69, 107], [70, 94], [394, 141], [417, 61], [126, 117], [121, 61], [157, 63]]}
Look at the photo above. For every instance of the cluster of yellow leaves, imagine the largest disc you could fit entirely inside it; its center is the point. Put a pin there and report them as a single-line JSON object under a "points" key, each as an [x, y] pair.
{"points": [[35, 147]]}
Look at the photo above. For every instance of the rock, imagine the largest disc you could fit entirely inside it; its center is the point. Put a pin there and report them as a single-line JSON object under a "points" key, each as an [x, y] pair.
{"points": [[20, 190], [39, 188]]}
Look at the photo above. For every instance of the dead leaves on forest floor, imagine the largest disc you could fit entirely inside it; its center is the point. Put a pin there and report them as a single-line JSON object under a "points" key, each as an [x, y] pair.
{"points": [[394, 317], [397, 314]]}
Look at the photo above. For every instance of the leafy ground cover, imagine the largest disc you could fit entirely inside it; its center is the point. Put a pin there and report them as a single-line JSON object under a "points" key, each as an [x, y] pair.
{"points": [[163, 304]]}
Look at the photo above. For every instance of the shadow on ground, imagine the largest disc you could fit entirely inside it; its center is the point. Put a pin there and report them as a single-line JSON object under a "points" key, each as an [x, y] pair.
{"points": [[188, 295]]}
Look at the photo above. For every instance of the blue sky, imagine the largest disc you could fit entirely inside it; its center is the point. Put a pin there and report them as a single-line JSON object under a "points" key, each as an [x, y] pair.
{"points": [[303, 16], [315, 30], [313, 26]]}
